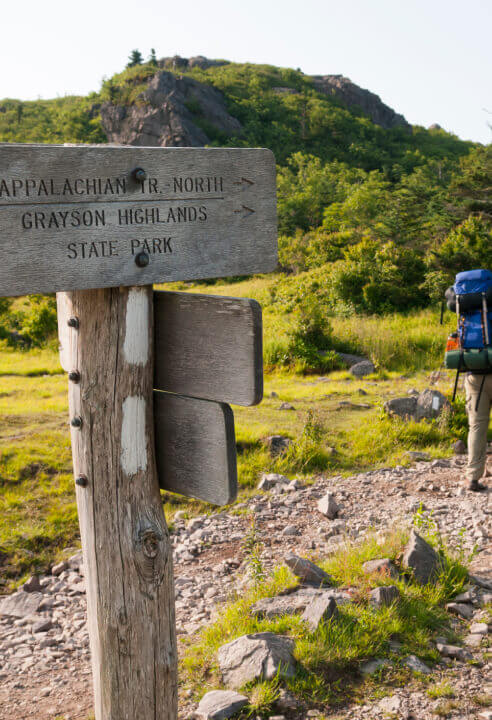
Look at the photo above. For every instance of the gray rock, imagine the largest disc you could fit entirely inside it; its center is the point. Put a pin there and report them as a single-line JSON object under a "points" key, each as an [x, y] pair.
{"points": [[416, 665], [328, 506], [32, 584], [366, 367], [20, 604], [219, 705], [257, 656], [273, 607], [322, 608], [473, 641], [307, 571], [286, 406], [464, 611], [277, 444], [384, 595], [59, 568], [479, 628], [381, 567], [372, 666], [270, 480], [42, 626], [421, 559], [430, 404], [453, 651], [166, 112], [390, 704], [460, 447], [273, 394], [404, 407], [351, 94], [290, 530]]}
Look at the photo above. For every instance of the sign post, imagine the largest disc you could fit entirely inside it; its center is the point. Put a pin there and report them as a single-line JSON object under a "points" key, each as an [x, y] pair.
{"points": [[99, 224]]}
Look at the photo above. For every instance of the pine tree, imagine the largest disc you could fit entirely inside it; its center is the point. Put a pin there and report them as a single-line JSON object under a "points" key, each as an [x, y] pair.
{"points": [[135, 58], [152, 57]]}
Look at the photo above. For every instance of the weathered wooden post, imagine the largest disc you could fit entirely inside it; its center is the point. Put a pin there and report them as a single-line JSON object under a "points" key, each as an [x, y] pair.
{"points": [[107, 349], [99, 225]]}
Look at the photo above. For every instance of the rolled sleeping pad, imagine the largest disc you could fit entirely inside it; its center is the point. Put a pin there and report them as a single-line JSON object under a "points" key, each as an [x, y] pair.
{"points": [[470, 301], [473, 359]]}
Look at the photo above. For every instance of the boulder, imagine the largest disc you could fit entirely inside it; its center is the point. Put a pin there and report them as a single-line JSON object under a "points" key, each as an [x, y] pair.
{"points": [[219, 705], [328, 506], [421, 559], [366, 367], [383, 595], [277, 444], [321, 608], [260, 656], [417, 455], [430, 404], [20, 604], [286, 406], [404, 407], [416, 665], [381, 567], [307, 571]]}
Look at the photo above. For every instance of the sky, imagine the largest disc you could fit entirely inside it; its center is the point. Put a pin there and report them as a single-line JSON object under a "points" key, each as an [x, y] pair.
{"points": [[429, 60]]}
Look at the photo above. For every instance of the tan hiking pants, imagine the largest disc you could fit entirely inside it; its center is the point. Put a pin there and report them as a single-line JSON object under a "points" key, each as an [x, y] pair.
{"points": [[478, 424]]}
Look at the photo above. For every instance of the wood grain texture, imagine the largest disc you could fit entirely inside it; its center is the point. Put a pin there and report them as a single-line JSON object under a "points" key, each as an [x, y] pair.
{"points": [[208, 347], [195, 448], [127, 552], [74, 217]]}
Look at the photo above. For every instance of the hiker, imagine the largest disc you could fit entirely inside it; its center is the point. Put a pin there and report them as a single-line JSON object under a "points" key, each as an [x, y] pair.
{"points": [[478, 424], [470, 350]]}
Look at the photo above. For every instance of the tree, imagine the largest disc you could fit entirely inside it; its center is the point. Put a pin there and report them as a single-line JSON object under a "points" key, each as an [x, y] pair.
{"points": [[152, 57], [136, 58]]}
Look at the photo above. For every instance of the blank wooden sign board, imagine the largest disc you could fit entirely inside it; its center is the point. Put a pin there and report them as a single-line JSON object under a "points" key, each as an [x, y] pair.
{"points": [[102, 224], [208, 347]]}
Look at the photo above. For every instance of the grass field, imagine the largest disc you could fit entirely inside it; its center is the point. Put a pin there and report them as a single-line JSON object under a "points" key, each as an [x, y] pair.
{"points": [[37, 509]]}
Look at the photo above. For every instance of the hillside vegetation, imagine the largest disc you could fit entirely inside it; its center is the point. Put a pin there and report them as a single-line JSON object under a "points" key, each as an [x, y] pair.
{"points": [[371, 220]]}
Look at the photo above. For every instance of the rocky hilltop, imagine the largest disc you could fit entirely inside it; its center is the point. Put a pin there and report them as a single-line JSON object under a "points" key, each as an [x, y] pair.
{"points": [[164, 114], [352, 96], [178, 110]]}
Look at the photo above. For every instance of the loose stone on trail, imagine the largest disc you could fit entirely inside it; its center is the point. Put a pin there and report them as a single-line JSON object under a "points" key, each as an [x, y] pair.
{"points": [[257, 656]]}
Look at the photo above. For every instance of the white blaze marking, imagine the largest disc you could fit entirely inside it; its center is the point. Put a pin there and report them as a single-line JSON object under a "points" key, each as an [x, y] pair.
{"points": [[136, 345], [133, 436]]}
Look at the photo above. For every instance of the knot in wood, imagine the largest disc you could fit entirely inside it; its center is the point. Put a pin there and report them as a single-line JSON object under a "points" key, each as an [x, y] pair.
{"points": [[150, 543]]}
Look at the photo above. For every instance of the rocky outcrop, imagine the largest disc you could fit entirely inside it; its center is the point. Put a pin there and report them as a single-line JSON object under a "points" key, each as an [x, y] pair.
{"points": [[172, 111], [352, 96], [179, 111]]}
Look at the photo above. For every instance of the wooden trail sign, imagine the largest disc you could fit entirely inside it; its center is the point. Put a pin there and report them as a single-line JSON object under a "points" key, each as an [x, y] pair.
{"points": [[97, 216], [208, 347], [195, 448], [98, 222]]}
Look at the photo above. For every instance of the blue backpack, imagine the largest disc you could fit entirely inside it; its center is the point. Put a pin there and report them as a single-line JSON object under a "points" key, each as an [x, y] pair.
{"points": [[469, 348]]}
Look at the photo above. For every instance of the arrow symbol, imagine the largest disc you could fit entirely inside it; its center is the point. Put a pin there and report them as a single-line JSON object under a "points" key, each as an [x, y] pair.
{"points": [[244, 182], [245, 211]]}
